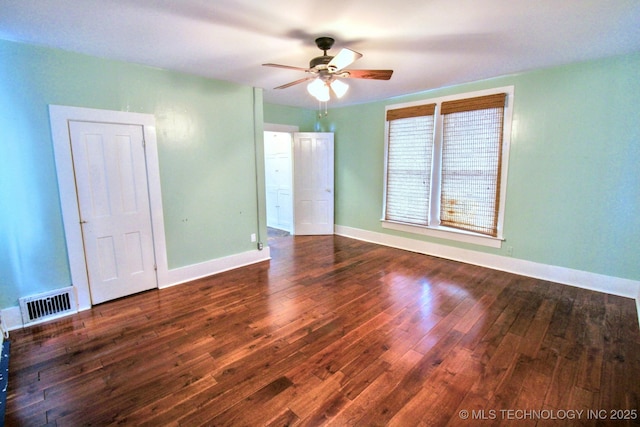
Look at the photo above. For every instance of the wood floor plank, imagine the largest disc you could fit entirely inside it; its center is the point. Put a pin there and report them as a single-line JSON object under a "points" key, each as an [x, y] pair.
{"points": [[258, 400], [412, 382], [160, 405], [435, 403], [309, 405], [374, 396], [331, 331], [353, 385], [537, 329]]}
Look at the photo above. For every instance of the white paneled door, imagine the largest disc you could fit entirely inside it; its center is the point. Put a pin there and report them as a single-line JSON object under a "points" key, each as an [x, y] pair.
{"points": [[313, 182], [111, 181], [278, 176]]}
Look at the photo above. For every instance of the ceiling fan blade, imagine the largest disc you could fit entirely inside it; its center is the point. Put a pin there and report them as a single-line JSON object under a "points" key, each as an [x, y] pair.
{"points": [[285, 66], [284, 86], [370, 74], [343, 59]]}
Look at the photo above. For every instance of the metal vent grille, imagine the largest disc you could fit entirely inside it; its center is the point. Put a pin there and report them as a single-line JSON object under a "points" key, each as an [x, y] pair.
{"points": [[48, 305]]}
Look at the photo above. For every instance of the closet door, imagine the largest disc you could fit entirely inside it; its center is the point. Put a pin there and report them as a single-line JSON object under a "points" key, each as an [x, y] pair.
{"points": [[112, 191]]}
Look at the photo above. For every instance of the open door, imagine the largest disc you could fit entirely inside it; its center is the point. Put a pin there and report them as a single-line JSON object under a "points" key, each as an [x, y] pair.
{"points": [[313, 182]]}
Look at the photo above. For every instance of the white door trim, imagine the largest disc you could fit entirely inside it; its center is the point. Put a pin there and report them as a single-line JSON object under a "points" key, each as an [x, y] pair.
{"points": [[275, 127], [60, 117]]}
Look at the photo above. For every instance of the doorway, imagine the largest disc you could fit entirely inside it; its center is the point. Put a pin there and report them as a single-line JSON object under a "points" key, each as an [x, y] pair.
{"points": [[299, 181], [62, 122], [279, 182], [113, 199]]}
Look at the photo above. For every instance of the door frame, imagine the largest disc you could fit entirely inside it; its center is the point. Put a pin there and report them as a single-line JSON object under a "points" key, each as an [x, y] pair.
{"points": [[60, 116], [290, 129], [288, 177]]}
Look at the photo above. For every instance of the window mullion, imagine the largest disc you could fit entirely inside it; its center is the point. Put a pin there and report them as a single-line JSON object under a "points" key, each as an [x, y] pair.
{"points": [[436, 170]]}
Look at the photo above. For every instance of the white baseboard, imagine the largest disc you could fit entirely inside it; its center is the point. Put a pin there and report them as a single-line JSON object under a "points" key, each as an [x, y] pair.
{"points": [[12, 317], [188, 273], [582, 279]]}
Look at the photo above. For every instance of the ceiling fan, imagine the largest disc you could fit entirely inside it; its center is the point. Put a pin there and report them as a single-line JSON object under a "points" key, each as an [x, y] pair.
{"points": [[326, 71]]}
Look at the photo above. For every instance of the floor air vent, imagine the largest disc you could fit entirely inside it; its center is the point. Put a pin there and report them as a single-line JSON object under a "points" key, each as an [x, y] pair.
{"points": [[49, 305]]}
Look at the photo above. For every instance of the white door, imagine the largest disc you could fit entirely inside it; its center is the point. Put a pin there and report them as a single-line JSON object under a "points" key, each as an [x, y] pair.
{"points": [[111, 181], [313, 182], [278, 180]]}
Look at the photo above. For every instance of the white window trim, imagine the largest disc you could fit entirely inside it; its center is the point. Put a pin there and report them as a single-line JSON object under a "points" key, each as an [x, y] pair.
{"points": [[434, 229], [442, 232]]}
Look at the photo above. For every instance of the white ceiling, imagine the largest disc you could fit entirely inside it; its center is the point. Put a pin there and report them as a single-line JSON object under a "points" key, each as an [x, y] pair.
{"points": [[428, 43]]}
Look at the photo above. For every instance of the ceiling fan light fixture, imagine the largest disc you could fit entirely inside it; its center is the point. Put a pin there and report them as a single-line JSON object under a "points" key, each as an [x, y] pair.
{"points": [[339, 88], [319, 90], [326, 72]]}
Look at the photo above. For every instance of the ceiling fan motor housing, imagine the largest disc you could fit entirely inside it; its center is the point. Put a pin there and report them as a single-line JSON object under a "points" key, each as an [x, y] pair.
{"points": [[320, 62], [324, 43]]}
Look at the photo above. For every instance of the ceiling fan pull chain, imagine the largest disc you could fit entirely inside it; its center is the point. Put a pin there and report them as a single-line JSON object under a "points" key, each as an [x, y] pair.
{"points": [[320, 114]]}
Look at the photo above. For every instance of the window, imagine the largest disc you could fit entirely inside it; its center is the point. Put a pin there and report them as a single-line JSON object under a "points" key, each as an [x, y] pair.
{"points": [[446, 163], [409, 164]]}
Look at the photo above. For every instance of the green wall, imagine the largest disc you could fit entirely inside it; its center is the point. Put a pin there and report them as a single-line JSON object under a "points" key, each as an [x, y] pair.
{"points": [[284, 115], [205, 131], [573, 195], [573, 187]]}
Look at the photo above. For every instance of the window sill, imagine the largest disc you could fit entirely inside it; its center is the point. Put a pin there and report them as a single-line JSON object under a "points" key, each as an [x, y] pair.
{"points": [[445, 233]]}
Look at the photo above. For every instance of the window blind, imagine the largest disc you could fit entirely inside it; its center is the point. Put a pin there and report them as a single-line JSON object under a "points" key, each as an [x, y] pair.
{"points": [[415, 111], [471, 163], [409, 155]]}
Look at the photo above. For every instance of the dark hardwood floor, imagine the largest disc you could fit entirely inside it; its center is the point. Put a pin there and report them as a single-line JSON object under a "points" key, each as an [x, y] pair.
{"points": [[335, 331]]}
